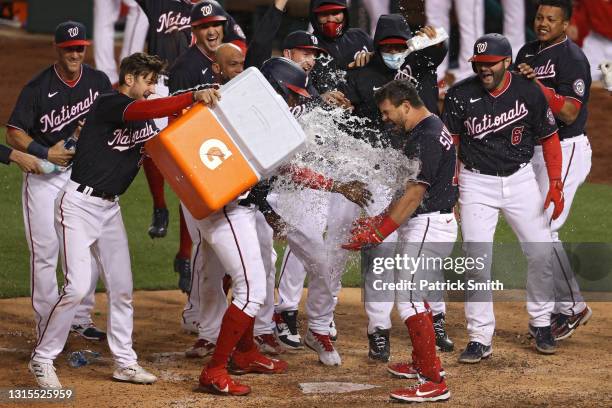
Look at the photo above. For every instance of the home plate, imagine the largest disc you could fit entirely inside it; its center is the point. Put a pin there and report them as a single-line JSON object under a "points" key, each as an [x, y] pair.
{"points": [[333, 387]]}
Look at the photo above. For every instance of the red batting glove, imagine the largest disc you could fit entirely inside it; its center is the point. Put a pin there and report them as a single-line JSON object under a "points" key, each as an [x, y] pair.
{"points": [[366, 222], [370, 234], [555, 195]]}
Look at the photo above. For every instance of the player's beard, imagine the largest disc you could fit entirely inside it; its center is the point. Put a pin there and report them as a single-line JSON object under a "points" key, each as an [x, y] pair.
{"points": [[491, 79]]}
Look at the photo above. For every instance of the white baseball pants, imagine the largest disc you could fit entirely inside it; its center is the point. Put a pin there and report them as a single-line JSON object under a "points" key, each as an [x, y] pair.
{"points": [[437, 228], [106, 13], [207, 302], [90, 227], [481, 198], [514, 24], [38, 195], [429, 235], [470, 14], [577, 154], [597, 49]]}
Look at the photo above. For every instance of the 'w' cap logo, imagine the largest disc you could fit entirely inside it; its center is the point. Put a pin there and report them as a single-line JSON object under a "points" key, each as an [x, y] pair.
{"points": [[481, 47], [206, 10]]}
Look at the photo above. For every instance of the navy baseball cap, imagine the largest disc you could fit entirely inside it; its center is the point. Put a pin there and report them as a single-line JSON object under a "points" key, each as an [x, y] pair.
{"points": [[70, 34], [301, 39], [207, 12], [331, 6], [492, 47]]}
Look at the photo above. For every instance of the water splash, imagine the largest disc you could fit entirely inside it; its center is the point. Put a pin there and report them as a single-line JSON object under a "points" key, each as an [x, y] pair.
{"points": [[332, 150]]}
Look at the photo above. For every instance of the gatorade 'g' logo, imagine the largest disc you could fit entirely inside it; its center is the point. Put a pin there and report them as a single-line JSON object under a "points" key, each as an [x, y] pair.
{"points": [[481, 47], [206, 10], [213, 153]]}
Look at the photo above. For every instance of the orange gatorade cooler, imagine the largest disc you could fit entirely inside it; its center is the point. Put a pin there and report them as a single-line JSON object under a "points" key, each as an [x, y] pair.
{"points": [[212, 156]]}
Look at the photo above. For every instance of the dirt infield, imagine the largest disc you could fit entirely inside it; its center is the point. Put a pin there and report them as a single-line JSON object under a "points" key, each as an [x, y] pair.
{"points": [[24, 55], [515, 376]]}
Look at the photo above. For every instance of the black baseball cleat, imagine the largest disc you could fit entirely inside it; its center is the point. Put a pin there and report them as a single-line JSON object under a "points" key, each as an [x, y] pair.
{"points": [[443, 342], [474, 352], [88, 331], [380, 345], [286, 329], [182, 266], [545, 342], [159, 223], [563, 326]]}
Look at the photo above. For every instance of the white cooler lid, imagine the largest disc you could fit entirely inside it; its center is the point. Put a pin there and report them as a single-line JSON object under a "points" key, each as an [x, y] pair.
{"points": [[259, 121]]}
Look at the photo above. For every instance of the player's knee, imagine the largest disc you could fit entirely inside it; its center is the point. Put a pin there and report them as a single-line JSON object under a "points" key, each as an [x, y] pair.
{"points": [[75, 293]]}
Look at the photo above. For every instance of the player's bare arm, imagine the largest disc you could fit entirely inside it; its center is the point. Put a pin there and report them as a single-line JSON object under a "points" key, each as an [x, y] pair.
{"points": [[401, 209], [19, 140], [26, 162]]}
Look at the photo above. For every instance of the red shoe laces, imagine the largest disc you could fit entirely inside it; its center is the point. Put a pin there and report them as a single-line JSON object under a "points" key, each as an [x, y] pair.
{"points": [[324, 340]]}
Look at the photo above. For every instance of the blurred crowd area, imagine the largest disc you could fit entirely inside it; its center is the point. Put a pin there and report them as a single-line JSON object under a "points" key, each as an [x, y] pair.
{"points": [[465, 20]]}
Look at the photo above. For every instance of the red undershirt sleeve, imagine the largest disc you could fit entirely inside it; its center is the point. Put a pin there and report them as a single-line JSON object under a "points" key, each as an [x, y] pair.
{"points": [[157, 108], [551, 147]]}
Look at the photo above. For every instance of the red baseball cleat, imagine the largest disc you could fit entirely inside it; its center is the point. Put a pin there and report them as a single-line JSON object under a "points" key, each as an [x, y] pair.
{"points": [[255, 362], [423, 391], [217, 380], [406, 370], [268, 344]]}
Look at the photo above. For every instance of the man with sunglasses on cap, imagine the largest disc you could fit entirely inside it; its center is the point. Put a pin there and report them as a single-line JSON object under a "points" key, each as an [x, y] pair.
{"points": [[498, 117], [50, 109]]}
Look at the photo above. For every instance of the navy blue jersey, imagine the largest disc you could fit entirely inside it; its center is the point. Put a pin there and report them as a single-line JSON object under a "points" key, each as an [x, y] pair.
{"points": [[564, 68], [48, 109], [419, 67], [109, 151], [193, 69], [497, 132], [5, 153], [170, 27], [432, 144]]}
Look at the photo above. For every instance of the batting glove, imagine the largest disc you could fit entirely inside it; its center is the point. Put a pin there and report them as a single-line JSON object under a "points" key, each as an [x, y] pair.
{"points": [[555, 195], [370, 231]]}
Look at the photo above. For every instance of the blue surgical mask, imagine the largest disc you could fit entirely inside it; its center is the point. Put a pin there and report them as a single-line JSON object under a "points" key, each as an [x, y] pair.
{"points": [[394, 61]]}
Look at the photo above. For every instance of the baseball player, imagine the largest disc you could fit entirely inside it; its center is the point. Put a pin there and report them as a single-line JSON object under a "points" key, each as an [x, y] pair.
{"points": [[88, 218], [193, 69], [392, 62], [106, 13], [562, 71], [498, 117], [424, 220], [235, 236], [229, 62], [26, 162], [470, 16], [170, 36], [346, 47], [302, 48], [46, 114]]}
